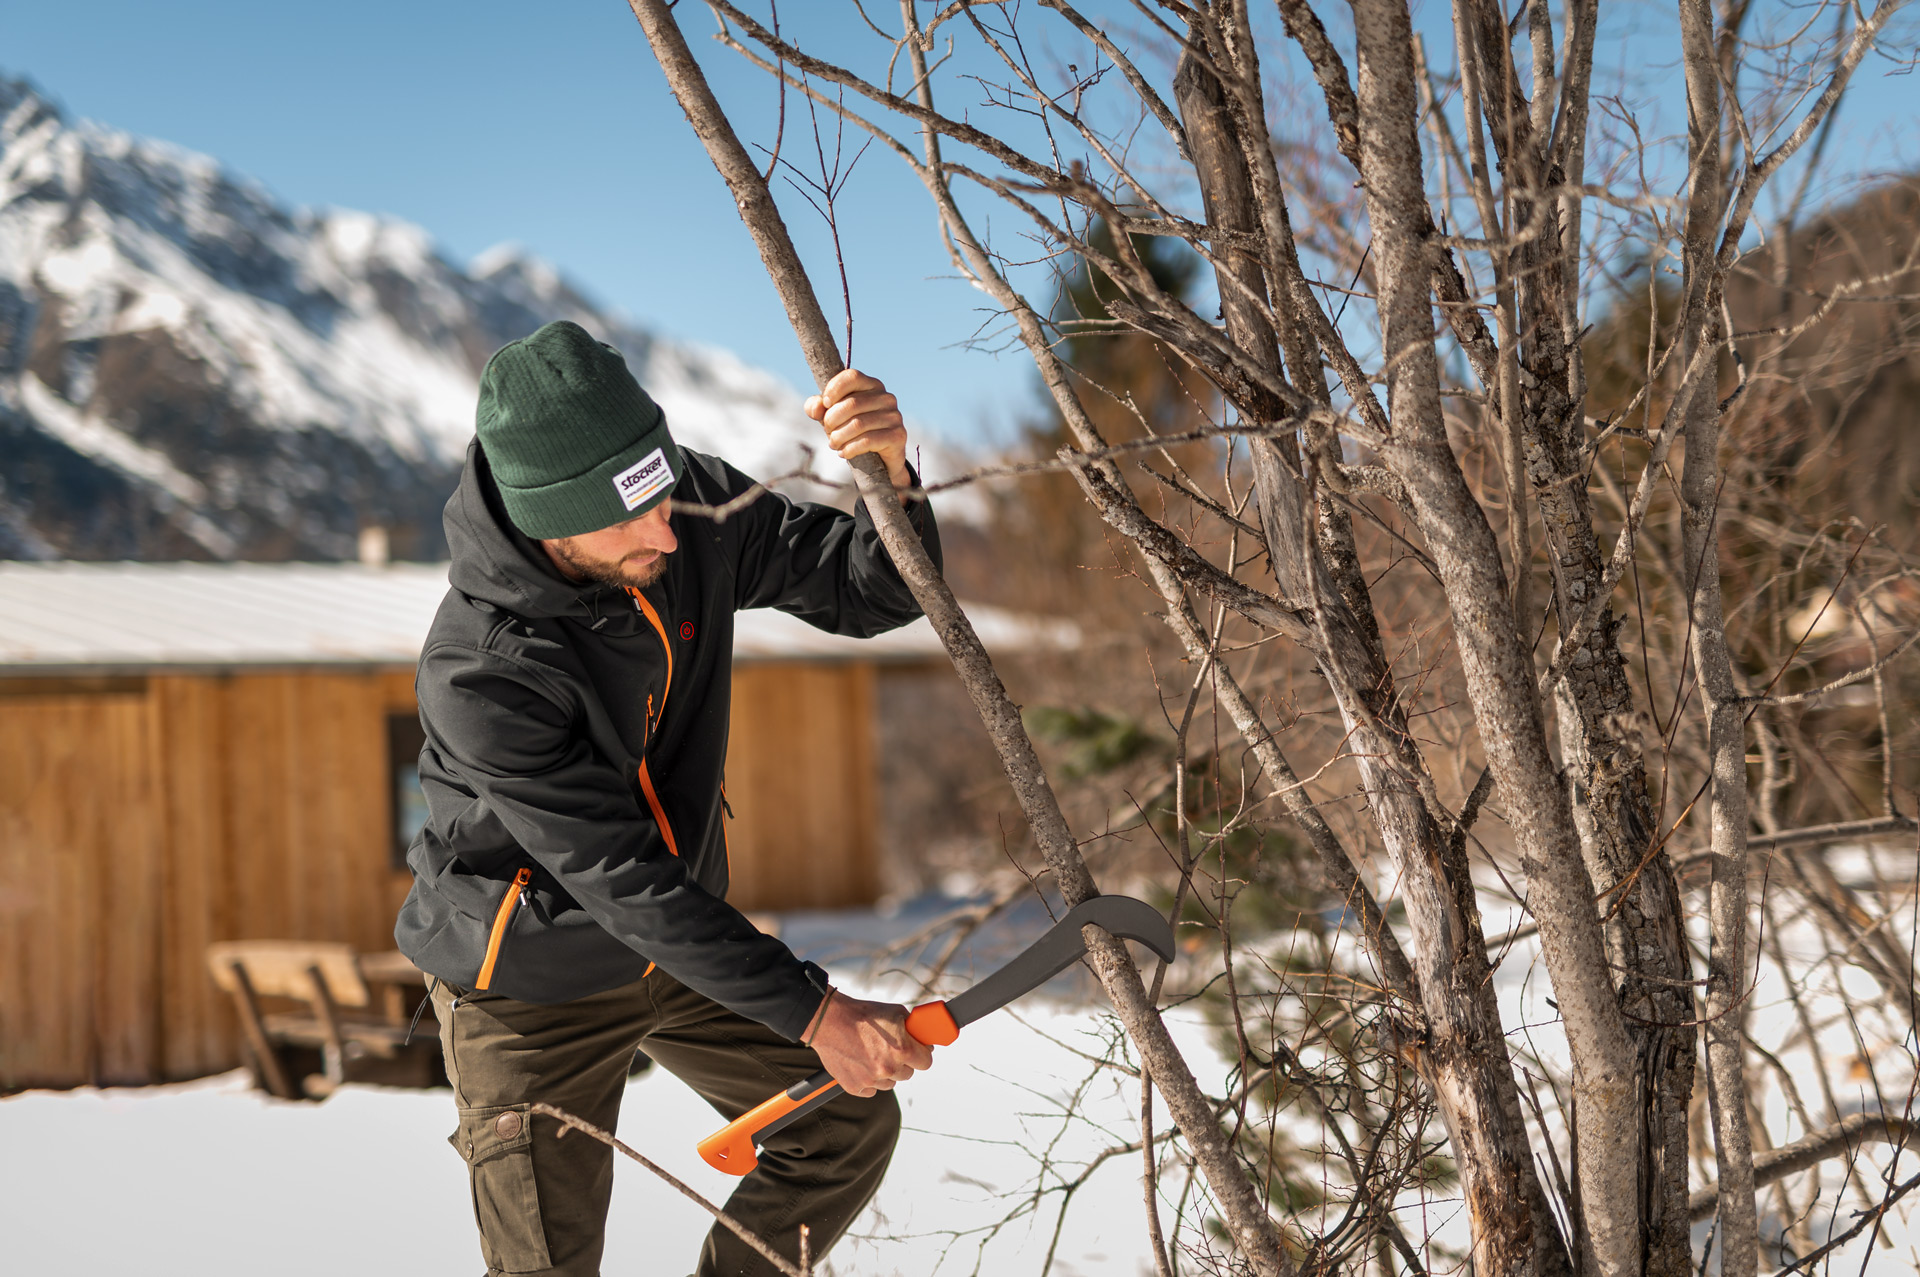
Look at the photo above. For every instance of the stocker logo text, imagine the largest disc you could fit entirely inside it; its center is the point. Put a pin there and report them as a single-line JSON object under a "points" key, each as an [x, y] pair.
{"points": [[643, 479]]}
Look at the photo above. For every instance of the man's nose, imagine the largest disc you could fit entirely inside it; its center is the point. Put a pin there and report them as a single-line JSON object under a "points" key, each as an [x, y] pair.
{"points": [[656, 533]]}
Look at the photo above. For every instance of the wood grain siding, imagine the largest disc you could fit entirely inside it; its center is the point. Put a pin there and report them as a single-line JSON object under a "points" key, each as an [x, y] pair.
{"points": [[198, 888], [136, 828], [79, 916], [800, 778], [142, 819]]}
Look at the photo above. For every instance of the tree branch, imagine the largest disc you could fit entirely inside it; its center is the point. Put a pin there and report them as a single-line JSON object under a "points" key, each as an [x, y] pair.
{"points": [[1843, 1137]]}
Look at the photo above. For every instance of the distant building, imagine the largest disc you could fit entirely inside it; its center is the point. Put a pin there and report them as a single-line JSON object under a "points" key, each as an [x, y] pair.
{"points": [[202, 752]]}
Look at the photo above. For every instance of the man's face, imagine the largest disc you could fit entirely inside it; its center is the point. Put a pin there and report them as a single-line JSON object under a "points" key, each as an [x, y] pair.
{"points": [[633, 553]]}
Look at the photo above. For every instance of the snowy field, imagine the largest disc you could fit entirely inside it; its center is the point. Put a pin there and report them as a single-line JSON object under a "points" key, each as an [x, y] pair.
{"points": [[212, 1179]]}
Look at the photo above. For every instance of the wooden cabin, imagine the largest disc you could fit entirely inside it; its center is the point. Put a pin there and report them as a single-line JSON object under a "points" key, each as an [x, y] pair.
{"points": [[192, 753]]}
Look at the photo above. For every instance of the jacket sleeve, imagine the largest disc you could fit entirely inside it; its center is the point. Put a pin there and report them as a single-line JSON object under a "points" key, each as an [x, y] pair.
{"points": [[504, 728], [823, 565]]}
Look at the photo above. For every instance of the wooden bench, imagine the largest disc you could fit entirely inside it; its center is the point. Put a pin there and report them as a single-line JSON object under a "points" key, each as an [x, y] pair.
{"points": [[337, 1014]]}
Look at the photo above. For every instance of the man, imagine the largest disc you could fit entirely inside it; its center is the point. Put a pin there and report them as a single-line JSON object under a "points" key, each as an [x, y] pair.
{"points": [[569, 886]]}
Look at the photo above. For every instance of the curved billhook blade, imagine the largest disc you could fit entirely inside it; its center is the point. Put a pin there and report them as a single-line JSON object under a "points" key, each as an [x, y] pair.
{"points": [[733, 1148], [1060, 948]]}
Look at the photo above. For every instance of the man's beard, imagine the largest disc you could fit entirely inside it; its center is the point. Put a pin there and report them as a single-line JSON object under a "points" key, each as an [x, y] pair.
{"points": [[618, 573]]}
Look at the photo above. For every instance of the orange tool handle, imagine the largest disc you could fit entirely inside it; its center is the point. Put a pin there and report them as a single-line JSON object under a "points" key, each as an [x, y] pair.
{"points": [[732, 1148], [932, 1024]]}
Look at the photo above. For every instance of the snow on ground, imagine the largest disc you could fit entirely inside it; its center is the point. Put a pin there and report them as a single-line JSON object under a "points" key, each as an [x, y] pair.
{"points": [[210, 1178]]}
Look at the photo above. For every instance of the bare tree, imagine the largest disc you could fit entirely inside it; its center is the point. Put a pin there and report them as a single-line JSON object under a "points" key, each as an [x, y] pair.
{"points": [[1395, 388]]}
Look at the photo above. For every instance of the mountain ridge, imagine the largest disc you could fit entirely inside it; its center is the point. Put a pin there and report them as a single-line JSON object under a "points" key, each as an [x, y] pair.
{"points": [[190, 368]]}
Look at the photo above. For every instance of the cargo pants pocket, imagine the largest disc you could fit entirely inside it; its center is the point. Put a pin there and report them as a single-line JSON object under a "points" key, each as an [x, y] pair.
{"points": [[497, 1143]]}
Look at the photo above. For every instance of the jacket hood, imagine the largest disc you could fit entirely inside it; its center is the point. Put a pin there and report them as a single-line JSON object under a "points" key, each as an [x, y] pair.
{"points": [[496, 563]]}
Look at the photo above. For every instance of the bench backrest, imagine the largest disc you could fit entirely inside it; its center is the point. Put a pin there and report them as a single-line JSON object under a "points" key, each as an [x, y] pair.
{"points": [[278, 968]]}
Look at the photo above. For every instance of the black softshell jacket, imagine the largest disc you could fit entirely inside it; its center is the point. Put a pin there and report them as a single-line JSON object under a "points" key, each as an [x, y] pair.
{"points": [[576, 736]]}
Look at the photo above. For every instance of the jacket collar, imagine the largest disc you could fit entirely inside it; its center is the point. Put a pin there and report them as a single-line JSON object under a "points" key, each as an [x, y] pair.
{"points": [[494, 562]]}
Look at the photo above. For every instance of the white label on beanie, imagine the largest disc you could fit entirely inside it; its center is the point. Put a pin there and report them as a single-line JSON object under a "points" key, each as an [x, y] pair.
{"points": [[644, 478]]}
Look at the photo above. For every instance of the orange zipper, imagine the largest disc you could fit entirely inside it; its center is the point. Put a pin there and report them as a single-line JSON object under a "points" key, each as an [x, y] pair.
{"points": [[501, 918], [661, 630], [646, 781], [659, 813]]}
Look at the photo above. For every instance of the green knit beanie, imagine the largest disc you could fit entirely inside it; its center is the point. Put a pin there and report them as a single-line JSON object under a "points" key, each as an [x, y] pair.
{"points": [[574, 442]]}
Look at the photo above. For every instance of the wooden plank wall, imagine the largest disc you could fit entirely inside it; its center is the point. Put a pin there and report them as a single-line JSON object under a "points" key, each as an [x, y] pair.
{"points": [[142, 819], [80, 837], [279, 827], [138, 826], [800, 779]]}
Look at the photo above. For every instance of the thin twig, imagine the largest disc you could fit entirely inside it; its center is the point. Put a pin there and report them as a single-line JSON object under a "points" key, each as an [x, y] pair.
{"points": [[739, 1229]]}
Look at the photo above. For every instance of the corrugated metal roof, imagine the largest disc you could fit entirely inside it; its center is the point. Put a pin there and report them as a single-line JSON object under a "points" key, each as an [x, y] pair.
{"points": [[142, 616]]}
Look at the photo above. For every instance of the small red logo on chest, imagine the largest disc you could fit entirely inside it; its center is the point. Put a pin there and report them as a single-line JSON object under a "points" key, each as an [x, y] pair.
{"points": [[686, 631]]}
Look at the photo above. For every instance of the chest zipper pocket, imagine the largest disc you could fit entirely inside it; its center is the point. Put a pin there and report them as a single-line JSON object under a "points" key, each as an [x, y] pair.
{"points": [[502, 918]]}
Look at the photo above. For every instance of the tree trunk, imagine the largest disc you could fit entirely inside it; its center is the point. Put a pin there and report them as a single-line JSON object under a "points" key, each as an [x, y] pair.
{"points": [[1497, 663], [1599, 723], [1462, 1054], [1736, 1233]]}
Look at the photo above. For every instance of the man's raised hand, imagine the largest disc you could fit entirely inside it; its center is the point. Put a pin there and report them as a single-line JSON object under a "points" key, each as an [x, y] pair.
{"points": [[861, 416]]}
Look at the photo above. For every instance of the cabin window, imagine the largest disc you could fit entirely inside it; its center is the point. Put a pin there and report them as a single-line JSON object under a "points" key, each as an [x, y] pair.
{"points": [[409, 804]]}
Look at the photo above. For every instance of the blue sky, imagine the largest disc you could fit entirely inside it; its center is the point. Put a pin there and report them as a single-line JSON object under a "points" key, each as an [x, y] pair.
{"points": [[549, 124]]}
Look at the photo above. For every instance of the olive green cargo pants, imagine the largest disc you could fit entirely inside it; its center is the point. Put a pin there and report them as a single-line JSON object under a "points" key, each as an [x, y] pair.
{"points": [[541, 1202]]}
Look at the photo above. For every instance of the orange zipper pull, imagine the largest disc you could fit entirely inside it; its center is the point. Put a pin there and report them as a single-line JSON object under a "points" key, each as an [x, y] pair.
{"points": [[515, 895]]}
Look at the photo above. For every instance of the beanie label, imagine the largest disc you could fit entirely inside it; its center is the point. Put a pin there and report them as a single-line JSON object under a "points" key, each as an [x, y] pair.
{"points": [[645, 477]]}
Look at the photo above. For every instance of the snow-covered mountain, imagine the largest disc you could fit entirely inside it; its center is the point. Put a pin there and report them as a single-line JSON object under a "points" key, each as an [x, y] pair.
{"points": [[190, 369]]}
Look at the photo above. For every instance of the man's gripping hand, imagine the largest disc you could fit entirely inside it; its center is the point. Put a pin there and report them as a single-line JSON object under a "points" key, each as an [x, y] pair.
{"points": [[861, 416], [866, 1046]]}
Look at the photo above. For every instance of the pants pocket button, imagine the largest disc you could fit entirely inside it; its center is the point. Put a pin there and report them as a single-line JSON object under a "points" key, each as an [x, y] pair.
{"points": [[507, 1126]]}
